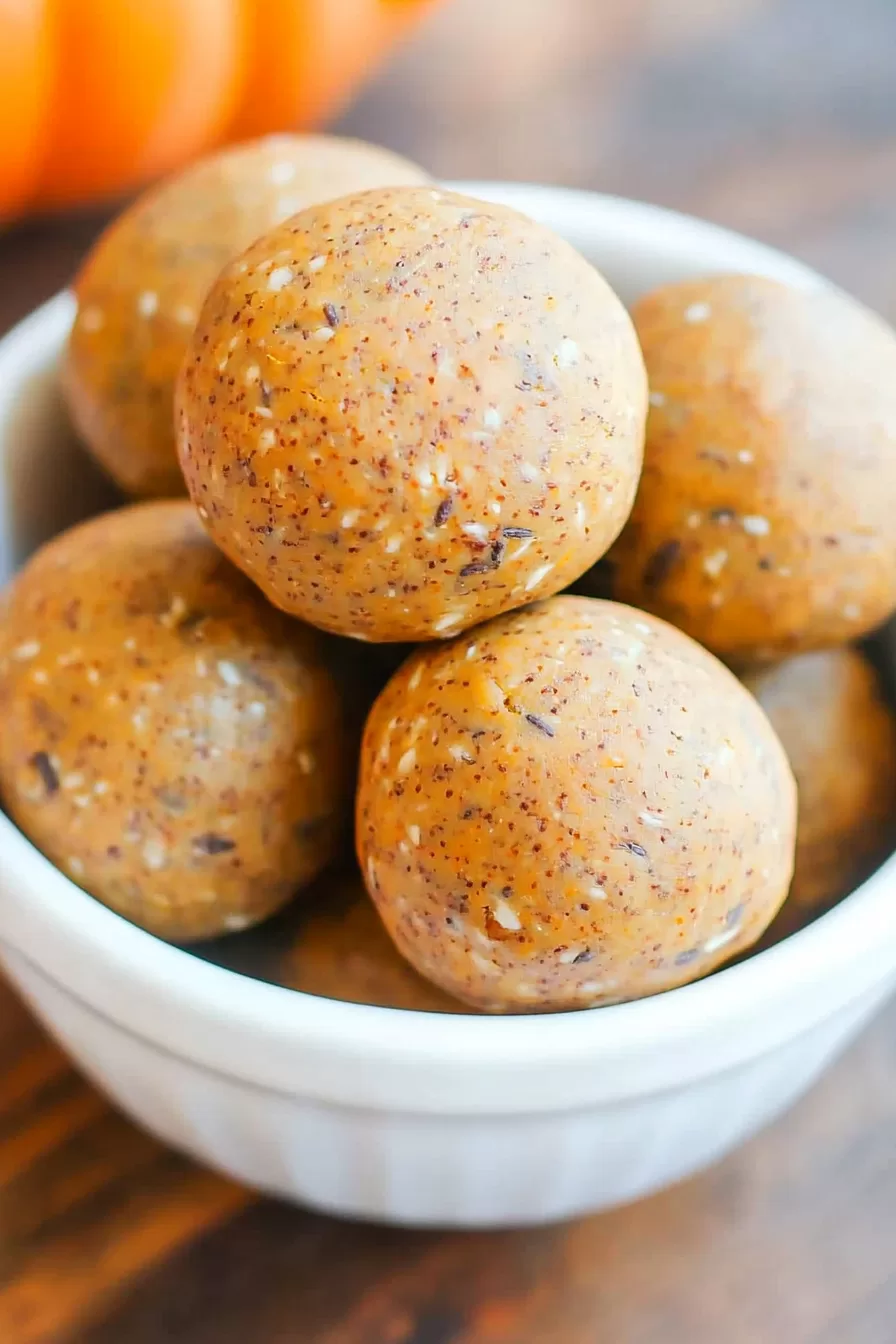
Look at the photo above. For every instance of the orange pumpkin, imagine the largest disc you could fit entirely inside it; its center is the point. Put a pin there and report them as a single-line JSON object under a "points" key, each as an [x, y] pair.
{"points": [[97, 96]]}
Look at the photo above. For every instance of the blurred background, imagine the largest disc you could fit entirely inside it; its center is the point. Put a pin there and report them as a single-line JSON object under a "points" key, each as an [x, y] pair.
{"points": [[777, 117]]}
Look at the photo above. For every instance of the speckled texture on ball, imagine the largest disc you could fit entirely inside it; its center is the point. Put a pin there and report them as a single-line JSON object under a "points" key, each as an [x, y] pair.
{"points": [[170, 742], [763, 524], [840, 736], [574, 805], [407, 411], [141, 289]]}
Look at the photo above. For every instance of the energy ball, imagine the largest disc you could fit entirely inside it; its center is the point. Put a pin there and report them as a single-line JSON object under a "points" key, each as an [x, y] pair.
{"points": [[575, 805], [763, 524], [341, 951], [407, 411], [170, 742], [840, 736], [140, 290]]}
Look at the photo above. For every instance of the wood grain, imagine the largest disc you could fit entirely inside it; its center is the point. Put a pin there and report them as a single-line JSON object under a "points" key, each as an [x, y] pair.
{"points": [[775, 116]]}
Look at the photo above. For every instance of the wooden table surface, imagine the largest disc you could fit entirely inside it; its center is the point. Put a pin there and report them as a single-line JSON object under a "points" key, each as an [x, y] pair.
{"points": [[774, 116]]}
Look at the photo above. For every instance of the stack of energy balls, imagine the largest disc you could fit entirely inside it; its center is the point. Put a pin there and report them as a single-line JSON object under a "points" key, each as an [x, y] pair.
{"points": [[403, 417]]}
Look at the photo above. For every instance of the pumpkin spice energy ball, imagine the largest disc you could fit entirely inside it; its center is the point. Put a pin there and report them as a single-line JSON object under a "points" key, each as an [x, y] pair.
{"points": [[574, 805], [407, 411], [840, 736], [169, 741], [763, 524], [140, 291]]}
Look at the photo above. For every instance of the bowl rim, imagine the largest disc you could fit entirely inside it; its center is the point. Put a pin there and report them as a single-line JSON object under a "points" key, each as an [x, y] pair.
{"points": [[842, 954]]}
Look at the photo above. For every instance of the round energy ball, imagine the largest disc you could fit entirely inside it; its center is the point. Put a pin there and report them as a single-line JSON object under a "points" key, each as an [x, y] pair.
{"points": [[169, 741], [574, 805], [840, 736], [407, 411], [763, 524], [140, 291]]}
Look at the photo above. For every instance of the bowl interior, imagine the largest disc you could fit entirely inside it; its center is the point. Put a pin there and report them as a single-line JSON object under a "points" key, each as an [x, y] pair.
{"points": [[47, 483]]}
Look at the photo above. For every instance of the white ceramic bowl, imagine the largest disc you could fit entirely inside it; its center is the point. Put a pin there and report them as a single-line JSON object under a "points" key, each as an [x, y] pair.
{"points": [[410, 1117]]}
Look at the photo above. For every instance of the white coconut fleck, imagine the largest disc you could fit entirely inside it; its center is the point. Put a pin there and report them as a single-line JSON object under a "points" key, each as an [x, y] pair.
{"points": [[460, 753], [154, 855], [756, 525], [267, 439], [424, 477], [139, 719], [148, 303], [694, 519], [446, 622], [25, 651], [40, 677], [528, 472], [265, 412], [185, 315], [101, 787], [597, 893], [392, 544], [506, 916], [523, 547], [81, 800], [495, 507], [318, 263], [568, 957], [203, 513], [657, 398], [745, 456], [416, 677], [652, 819], [785, 571], [852, 611], [307, 763], [323, 334], [715, 563], [257, 709], [642, 628], [566, 355], [697, 312], [252, 374], [580, 514], [414, 834], [407, 761], [446, 366], [477, 530], [493, 419], [229, 673], [720, 939], [717, 599], [72, 781], [280, 277], [536, 576], [350, 518], [75, 867], [92, 319], [235, 923]]}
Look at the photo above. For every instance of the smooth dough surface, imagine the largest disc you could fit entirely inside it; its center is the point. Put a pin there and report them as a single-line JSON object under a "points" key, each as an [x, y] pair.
{"points": [[171, 742], [407, 411], [575, 804]]}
